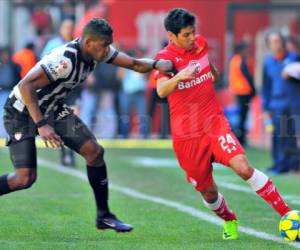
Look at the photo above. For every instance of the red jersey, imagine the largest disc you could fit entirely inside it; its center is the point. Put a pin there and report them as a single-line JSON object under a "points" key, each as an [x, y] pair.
{"points": [[194, 108]]}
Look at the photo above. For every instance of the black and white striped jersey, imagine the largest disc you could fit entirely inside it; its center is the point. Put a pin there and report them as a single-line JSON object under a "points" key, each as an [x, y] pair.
{"points": [[66, 69]]}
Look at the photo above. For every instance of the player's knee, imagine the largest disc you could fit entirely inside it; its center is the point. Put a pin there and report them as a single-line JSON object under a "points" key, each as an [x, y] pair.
{"points": [[25, 181], [242, 167], [210, 198], [210, 195], [95, 155]]}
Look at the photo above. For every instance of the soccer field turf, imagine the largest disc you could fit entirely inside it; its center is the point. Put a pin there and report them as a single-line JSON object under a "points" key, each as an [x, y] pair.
{"points": [[148, 190]]}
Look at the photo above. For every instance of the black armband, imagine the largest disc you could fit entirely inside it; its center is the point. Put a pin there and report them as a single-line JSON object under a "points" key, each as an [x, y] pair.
{"points": [[113, 57], [154, 64], [41, 123]]}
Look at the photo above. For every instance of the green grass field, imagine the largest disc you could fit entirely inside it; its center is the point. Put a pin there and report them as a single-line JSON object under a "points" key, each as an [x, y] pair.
{"points": [[149, 191]]}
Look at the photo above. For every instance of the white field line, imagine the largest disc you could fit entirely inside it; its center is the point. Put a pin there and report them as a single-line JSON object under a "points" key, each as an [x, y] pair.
{"points": [[293, 199], [156, 199], [151, 162]]}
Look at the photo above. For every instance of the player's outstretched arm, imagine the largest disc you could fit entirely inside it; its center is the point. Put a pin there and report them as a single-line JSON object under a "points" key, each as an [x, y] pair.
{"points": [[142, 65], [165, 86], [34, 80]]}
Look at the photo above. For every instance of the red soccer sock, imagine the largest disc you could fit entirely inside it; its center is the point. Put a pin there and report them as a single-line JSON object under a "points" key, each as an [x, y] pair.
{"points": [[221, 209], [271, 195], [265, 188]]}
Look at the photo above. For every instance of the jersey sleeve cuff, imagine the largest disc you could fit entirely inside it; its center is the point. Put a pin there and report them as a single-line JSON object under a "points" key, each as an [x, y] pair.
{"points": [[47, 72]]}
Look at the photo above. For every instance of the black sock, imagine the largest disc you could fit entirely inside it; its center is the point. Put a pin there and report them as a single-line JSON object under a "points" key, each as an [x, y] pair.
{"points": [[4, 188], [98, 180]]}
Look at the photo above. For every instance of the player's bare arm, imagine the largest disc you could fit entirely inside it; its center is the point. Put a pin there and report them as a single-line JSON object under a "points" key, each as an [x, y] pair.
{"points": [[142, 65], [166, 86], [215, 72], [34, 80]]}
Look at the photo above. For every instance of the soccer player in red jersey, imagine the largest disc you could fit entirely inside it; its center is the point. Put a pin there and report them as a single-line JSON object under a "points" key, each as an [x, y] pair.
{"points": [[201, 133]]}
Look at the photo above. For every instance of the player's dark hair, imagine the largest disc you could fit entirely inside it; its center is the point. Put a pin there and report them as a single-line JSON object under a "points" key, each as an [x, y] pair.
{"points": [[98, 29], [177, 19]]}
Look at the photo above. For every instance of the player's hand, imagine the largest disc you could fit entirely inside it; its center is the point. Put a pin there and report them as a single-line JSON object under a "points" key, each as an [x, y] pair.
{"points": [[285, 75], [188, 72], [164, 65], [49, 137]]}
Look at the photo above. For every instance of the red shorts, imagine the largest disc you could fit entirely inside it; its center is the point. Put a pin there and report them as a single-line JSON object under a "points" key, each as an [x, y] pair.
{"points": [[196, 155]]}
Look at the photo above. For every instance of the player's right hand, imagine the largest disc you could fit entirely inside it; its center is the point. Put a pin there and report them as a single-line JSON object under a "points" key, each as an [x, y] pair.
{"points": [[49, 137], [188, 72]]}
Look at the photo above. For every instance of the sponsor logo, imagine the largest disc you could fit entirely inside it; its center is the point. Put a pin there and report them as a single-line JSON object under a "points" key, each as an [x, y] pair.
{"points": [[108, 223], [63, 64], [63, 114], [18, 136], [53, 70], [104, 182], [59, 68], [77, 126], [193, 182], [197, 64], [194, 82]]}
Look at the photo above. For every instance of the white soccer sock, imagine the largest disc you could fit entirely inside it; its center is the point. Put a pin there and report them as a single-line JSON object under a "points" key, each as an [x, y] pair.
{"points": [[216, 205], [258, 180]]}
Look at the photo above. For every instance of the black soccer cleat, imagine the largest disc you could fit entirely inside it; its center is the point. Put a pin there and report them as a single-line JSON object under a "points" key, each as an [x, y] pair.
{"points": [[110, 221]]}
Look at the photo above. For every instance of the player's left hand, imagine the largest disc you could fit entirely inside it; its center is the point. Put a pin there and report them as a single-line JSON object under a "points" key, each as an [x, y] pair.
{"points": [[164, 65]]}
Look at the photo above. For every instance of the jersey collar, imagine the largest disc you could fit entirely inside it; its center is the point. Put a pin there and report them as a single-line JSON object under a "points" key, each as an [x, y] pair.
{"points": [[197, 48]]}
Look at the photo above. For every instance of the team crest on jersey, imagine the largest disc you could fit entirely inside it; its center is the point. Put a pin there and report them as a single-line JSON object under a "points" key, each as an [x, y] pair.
{"points": [[59, 68], [197, 64], [193, 182], [63, 64], [18, 136]]}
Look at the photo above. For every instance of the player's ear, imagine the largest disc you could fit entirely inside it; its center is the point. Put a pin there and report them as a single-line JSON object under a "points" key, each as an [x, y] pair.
{"points": [[171, 36], [87, 42]]}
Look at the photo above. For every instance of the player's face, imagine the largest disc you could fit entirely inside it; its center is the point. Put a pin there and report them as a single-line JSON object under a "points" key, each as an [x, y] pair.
{"points": [[67, 30], [97, 49], [185, 38], [275, 44]]}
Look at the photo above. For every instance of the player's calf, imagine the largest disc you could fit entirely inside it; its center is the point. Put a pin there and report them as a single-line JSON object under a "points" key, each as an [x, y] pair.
{"points": [[260, 183], [22, 178], [220, 208], [93, 153], [241, 166], [97, 176]]}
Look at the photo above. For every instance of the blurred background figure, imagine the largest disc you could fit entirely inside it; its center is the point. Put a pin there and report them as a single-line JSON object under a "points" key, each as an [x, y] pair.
{"points": [[26, 58], [66, 31], [98, 106], [108, 88], [242, 86], [292, 44], [89, 101], [157, 105], [281, 104], [132, 98], [10, 75], [65, 35]]}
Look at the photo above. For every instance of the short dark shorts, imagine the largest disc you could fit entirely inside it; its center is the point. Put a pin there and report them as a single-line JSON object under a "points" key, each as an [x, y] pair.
{"points": [[22, 132]]}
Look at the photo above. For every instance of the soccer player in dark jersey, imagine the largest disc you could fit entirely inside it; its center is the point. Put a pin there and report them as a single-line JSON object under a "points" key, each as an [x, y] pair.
{"points": [[36, 106], [201, 133]]}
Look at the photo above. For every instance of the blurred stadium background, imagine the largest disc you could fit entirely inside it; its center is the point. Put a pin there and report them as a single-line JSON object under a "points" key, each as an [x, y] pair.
{"points": [[139, 24], [56, 219]]}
